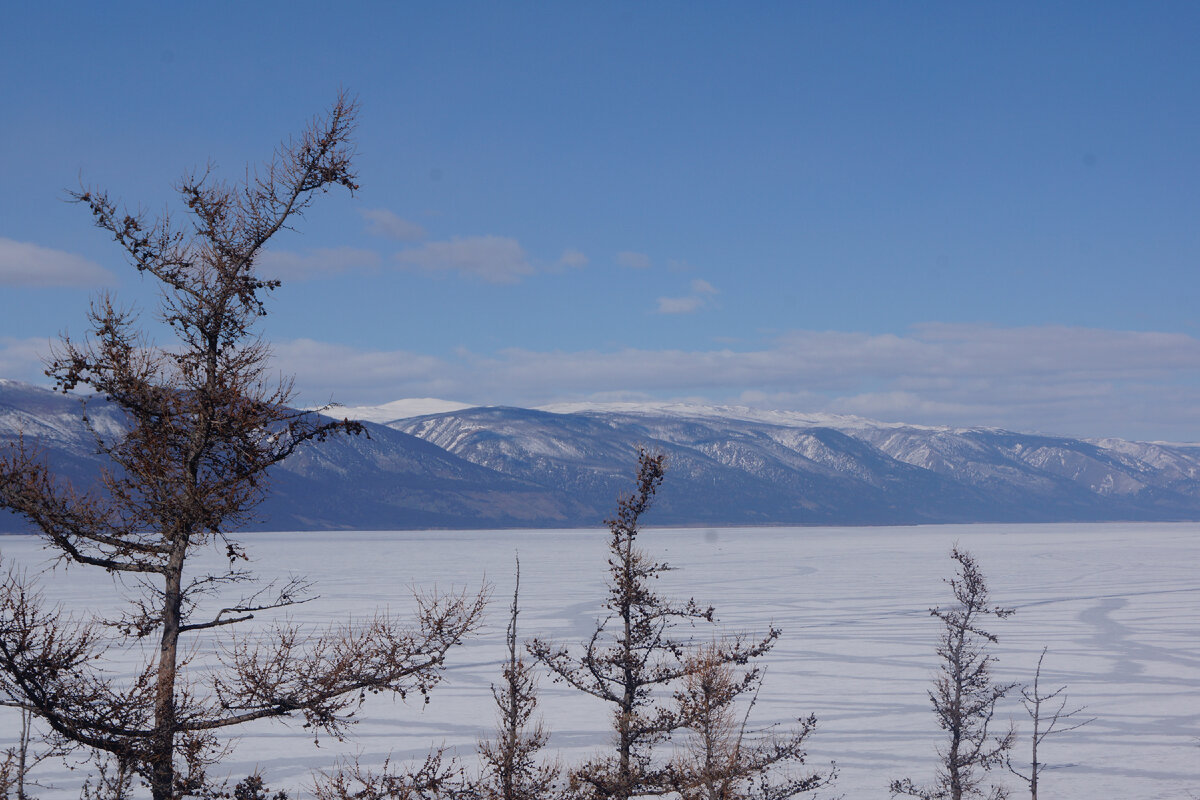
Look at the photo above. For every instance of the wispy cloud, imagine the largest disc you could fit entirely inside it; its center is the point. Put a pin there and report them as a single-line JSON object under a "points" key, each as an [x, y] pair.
{"points": [[381, 222], [28, 264], [327, 372], [284, 265], [679, 305], [632, 260], [495, 259], [572, 258], [1065, 380], [21, 359], [700, 297]]}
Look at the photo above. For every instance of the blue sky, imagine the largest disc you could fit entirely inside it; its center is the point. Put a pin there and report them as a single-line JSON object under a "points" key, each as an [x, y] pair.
{"points": [[942, 213]]}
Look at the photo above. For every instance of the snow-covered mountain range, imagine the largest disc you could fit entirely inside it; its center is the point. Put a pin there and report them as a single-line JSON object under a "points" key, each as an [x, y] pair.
{"points": [[565, 465]]}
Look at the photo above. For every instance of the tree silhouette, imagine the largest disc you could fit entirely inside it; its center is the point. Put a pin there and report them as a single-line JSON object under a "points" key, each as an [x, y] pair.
{"points": [[512, 770], [636, 654], [964, 696], [203, 424]]}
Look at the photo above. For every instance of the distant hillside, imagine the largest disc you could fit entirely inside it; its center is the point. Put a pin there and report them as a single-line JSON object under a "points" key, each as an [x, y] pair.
{"points": [[498, 467]]}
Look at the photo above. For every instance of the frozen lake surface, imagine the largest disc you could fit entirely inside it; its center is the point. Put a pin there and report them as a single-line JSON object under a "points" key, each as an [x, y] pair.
{"points": [[1117, 604]]}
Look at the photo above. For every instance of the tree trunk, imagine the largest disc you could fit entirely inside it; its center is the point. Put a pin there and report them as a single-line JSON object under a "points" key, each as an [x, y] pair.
{"points": [[162, 777]]}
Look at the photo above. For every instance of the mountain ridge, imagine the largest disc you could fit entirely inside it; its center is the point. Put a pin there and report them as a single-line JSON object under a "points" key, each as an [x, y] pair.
{"points": [[564, 465]]}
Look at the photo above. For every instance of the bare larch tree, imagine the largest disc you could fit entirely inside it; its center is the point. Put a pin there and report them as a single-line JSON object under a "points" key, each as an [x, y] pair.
{"points": [[20, 760], [722, 757], [964, 696], [1049, 719], [203, 426], [636, 655], [439, 777], [512, 768]]}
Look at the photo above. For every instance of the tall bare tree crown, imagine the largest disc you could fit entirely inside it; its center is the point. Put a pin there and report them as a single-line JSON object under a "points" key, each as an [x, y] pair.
{"points": [[203, 426]]}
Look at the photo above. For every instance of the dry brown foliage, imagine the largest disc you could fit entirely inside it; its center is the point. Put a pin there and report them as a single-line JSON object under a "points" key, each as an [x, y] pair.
{"points": [[437, 778], [723, 758]]}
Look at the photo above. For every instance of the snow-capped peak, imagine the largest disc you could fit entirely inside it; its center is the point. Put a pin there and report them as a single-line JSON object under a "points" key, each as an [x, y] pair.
{"points": [[397, 409]]}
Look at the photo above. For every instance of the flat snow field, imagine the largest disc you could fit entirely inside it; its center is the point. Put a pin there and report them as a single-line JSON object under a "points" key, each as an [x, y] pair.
{"points": [[1117, 604]]}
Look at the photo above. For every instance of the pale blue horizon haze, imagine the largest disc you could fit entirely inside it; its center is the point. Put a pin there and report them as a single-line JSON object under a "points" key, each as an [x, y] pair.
{"points": [[937, 213]]}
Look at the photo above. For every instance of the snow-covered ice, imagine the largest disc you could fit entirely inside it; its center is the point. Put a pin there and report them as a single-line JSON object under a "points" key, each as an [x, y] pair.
{"points": [[1117, 604]]}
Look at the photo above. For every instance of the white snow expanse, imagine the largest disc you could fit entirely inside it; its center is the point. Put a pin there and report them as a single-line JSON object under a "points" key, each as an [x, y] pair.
{"points": [[1118, 605]]}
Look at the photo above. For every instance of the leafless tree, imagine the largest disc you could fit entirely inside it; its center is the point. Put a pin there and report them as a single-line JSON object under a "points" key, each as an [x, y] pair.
{"points": [[203, 426], [18, 762], [723, 759], [964, 696], [512, 768], [1049, 719], [438, 778], [253, 787], [112, 779], [635, 655]]}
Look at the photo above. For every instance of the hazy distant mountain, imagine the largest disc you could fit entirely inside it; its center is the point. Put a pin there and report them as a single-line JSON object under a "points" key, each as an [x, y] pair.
{"points": [[564, 466]]}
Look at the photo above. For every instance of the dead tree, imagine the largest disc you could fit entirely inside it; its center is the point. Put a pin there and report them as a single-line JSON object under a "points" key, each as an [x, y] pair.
{"points": [[723, 759], [438, 778], [112, 780], [1045, 725], [203, 426], [635, 655], [20, 760], [964, 696], [512, 768]]}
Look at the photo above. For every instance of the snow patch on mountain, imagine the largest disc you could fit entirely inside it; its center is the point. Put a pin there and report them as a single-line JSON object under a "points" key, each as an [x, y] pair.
{"points": [[741, 413], [397, 409]]}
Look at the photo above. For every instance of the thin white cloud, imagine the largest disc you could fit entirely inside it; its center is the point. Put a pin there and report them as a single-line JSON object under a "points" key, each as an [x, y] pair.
{"points": [[632, 260], [572, 258], [327, 372], [495, 259], [679, 305], [284, 265], [28, 264], [1077, 381], [381, 222], [700, 297], [22, 359]]}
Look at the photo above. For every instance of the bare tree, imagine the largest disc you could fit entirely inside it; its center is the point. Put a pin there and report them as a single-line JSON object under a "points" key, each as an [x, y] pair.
{"points": [[20, 760], [1046, 723], [512, 769], [964, 696], [723, 759], [438, 778], [635, 654], [203, 426], [252, 787], [112, 780]]}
